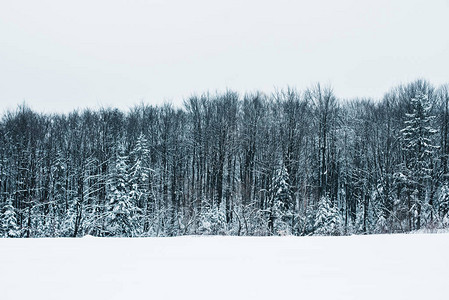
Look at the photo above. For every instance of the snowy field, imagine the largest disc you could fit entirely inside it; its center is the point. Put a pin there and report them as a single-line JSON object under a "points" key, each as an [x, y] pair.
{"points": [[356, 267]]}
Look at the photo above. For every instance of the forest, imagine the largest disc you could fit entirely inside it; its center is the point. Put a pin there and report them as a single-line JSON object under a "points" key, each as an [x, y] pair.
{"points": [[289, 163]]}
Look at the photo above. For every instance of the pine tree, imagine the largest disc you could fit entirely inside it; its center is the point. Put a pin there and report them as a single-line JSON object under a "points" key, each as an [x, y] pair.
{"points": [[9, 226], [327, 219], [443, 204], [282, 203], [417, 136], [121, 218], [139, 175], [212, 221]]}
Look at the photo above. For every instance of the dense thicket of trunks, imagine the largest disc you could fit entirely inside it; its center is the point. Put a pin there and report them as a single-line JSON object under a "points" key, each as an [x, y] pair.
{"points": [[288, 163]]}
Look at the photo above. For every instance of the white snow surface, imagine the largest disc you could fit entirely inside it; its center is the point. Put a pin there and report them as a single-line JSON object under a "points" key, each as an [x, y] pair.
{"points": [[355, 267]]}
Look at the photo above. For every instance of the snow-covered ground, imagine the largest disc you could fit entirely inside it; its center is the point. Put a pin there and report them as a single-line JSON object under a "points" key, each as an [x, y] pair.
{"points": [[357, 267]]}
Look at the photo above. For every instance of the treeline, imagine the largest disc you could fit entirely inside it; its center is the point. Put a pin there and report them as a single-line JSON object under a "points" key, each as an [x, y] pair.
{"points": [[289, 163]]}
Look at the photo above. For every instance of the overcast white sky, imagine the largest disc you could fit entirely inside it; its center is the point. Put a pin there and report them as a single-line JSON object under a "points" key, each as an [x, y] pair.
{"points": [[59, 55]]}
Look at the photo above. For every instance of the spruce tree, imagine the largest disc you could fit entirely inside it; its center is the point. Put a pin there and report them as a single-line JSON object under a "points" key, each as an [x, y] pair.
{"points": [[121, 217], [140, 175], [419, 149], [328, 220], [9, 224], [282, 201]]}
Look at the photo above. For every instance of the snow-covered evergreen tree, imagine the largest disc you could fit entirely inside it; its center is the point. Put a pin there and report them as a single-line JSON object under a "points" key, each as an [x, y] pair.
{"points": [[9, 224], [419, 148], [212, 221], [282, 202], [140, 176], [139, 172], [443, 205], [122, 213], [328, 220]]}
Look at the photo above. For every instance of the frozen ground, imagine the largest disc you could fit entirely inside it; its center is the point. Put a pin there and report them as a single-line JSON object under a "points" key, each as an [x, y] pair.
{"points": [[357, 267]]}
